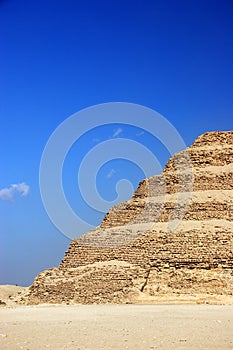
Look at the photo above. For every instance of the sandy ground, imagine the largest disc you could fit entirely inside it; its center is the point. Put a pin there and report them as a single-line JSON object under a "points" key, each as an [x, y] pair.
{"points": [[117, 327]]}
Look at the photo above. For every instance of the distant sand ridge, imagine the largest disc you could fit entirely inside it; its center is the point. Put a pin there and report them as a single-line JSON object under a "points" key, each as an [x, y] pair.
{"points": [[172, 240]]}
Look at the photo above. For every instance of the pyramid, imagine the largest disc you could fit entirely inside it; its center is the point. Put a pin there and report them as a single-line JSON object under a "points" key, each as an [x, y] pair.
{"points": [[174, 237]]}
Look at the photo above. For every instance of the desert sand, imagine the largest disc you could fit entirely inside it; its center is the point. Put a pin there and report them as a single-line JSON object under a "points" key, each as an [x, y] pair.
{"points": [[117, 327], [173, 324]]}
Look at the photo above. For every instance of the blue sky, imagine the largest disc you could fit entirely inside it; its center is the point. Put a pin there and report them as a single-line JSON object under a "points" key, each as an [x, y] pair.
{"points": [[58, 57]]}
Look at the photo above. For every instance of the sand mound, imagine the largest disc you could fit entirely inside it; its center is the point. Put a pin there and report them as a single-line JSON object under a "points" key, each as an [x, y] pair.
{"points": [[8, 293]]}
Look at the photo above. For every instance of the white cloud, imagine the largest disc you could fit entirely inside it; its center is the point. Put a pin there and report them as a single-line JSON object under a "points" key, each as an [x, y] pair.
{"points": [[111, 173], [8, 194], [117, 132]]}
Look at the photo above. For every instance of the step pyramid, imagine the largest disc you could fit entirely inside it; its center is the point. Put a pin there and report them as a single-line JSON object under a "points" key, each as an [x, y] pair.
{"points": [[173, 237]]}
